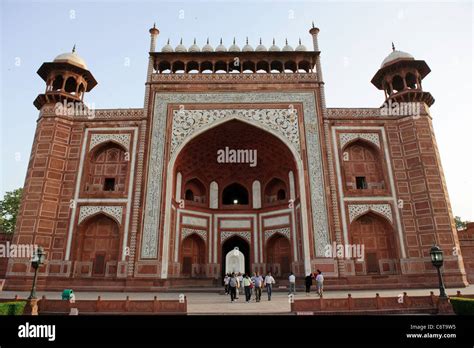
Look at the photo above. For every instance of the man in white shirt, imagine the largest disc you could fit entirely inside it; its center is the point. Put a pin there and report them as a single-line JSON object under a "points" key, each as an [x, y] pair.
{"points": [[292, 281], [269, 280]]}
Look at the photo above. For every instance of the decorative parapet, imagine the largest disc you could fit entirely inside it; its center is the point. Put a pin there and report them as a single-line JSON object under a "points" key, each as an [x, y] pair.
{"points": [[235, 78]]}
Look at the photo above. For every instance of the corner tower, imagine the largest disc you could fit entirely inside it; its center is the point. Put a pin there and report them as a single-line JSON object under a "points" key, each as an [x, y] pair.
{"points": [[400, 77], [67, 78]]}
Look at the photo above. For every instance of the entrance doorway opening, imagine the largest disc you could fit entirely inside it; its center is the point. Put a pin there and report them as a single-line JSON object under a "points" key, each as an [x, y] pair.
{"points": [[243, 248]]}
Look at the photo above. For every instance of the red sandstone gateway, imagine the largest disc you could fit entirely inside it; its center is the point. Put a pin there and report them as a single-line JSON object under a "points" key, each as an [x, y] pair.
{"points": [[135, 199]]}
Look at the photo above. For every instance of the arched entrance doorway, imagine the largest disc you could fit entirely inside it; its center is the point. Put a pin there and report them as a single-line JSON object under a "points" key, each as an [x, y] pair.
{"points": [[192, 256], [97, 244], [375, 234], [278, 255], [229, 246]]}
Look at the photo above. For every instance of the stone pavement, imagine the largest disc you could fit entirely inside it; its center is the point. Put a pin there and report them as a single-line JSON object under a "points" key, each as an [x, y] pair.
{"points": [[213, 303]]}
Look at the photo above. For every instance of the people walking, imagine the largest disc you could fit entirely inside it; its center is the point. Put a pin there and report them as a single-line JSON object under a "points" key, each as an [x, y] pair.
{"points": [[246, 284], [308, 281], [319, 282], [240, 289], [292, 283], [269, 281], [233, 283], [258, 283], [226, 284]]}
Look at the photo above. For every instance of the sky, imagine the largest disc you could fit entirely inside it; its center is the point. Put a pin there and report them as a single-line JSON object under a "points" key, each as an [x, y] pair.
{"points": [[113, 38]]}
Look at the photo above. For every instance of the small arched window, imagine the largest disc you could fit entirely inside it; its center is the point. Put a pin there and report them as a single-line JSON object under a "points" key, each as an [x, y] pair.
{"points": [[71, 85], [189, 195], [58, 83], [235, 194]]}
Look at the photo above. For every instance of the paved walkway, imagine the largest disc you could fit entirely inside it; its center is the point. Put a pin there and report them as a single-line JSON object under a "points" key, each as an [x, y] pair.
{"points": [[213, 303]]}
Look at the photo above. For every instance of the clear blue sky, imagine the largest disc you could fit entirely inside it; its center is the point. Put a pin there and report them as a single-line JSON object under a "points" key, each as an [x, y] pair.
{"points": [[354, 39]]}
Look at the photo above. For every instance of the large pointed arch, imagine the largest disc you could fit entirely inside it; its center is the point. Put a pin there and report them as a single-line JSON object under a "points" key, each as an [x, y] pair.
{"points": [[170, 178]]}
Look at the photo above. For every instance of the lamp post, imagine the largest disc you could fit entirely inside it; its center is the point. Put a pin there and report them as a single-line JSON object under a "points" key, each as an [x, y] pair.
{"points": [[36, 262], [437, 260]]}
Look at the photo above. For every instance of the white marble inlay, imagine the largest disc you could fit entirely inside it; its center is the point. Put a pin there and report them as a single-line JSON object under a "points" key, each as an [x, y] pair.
{"points": [[185, 232], [345, 138], [89, 210], [194, 221], [276, 221], [285, 231], [356, 210], [284, 121], [227, 234], [235, 223], [122, 139]]}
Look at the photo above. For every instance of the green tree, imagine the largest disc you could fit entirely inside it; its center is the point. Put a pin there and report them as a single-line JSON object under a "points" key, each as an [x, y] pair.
{"points": [[9, 207], [460, 225]]}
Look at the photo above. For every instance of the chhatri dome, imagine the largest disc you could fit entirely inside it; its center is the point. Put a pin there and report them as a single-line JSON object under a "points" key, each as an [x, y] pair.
{"points": [[167, 47], [180, 47], [260, 47], [207, 47], [221, 47], [234, 47], [247, 47], [71, 58], [396, 55], [194, 47], [274, 47]]}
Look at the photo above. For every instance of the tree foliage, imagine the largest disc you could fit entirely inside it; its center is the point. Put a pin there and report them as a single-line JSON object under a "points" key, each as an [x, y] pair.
{"points": [[9, 207], [460, 225]]}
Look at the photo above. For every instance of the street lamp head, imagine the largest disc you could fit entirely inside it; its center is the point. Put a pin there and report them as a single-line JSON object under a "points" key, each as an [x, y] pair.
{"points": [[38, 257], [436, 256]]}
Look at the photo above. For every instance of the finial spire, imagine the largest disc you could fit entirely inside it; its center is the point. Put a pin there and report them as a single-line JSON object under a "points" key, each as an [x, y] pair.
{"points": [[181, 41], [393, 46], [221, 41], [260, 41], [207, 41], [234, 40], [74, 48], [286, 41], [154, 25], [247, 40], [273, 40], [299, 41], [312, 23], [168, 41], [194, 40]]}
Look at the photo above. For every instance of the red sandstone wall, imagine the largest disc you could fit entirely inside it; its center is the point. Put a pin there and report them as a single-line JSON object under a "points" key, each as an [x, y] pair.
{"points": [[420, 183], [466, 242]]}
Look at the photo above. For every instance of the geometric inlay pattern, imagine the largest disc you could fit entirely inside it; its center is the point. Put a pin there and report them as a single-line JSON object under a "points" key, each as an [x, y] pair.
{"points": [[88, 210], [356, 210], [284, 231], [227, 234], [188, 231], [370, 137], [122, 139], [283, 121]]}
